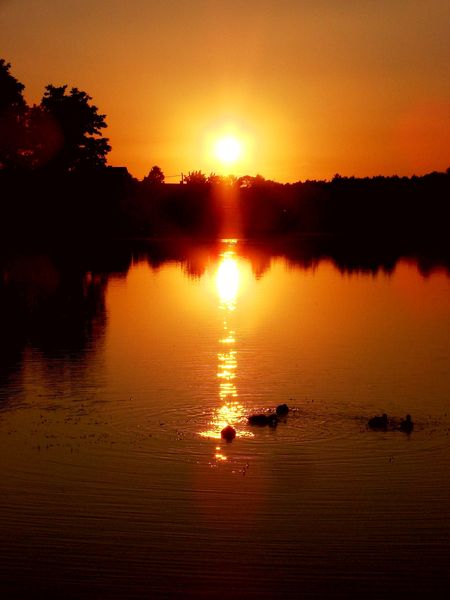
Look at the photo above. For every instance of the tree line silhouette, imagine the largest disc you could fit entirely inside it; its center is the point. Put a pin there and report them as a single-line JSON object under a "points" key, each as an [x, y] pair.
{"points": [[55, 184]]}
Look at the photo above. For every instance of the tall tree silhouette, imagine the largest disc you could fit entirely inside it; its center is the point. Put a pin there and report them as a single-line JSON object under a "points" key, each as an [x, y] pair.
{"points": [[12, 117], [80, 125], [155, 176]]}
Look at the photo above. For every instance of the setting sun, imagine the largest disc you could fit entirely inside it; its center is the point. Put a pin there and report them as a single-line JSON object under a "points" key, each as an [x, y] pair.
{"points": [[228, 149]]}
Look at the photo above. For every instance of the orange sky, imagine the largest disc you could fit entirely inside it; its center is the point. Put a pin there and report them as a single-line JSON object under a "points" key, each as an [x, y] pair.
{"points": [[359, 87]]}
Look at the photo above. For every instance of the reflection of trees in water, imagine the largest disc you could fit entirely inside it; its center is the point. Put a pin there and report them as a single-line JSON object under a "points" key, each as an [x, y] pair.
{"points": [[348, 254], [57, 305], [70, 321], [56, 309], [12, 336]]}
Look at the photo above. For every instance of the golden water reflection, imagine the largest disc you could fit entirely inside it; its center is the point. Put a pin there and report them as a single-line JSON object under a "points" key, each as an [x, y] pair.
{"points": [[227, 280], [230, 411]]}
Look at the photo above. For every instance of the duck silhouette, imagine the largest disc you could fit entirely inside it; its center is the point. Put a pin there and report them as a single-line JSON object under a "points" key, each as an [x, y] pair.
{"points": [[378, 422], [282, 410], [406, 424], [262, 420]]}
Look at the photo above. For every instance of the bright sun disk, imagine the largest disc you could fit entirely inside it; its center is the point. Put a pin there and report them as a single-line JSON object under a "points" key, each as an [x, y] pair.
{"points": [[228, 149]]}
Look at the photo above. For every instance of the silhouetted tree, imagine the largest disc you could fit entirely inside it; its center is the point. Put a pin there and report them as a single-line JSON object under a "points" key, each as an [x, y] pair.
{"points": [[258, 180], [222, 180], [195, 178], [247, 181], [12, 118], [155, 176], [43, 138], [214, 179], [79, 125], [10, 89]]}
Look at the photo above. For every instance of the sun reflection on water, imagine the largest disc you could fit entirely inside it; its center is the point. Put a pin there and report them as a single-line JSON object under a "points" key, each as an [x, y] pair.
{"points": [[230, 410], [227, 280]]}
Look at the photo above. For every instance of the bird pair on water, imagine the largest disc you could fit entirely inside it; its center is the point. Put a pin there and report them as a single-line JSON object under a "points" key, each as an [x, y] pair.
{"points": [[270, 419], [381, 422]]}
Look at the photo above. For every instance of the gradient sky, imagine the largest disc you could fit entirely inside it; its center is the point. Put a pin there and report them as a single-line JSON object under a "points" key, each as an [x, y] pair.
{"points": [[359, 87]]}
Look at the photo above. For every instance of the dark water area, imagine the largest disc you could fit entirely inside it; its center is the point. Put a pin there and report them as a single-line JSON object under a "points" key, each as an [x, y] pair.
{"points": [[119, 367]]}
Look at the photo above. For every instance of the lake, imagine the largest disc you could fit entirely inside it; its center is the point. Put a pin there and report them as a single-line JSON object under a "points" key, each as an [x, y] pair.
{"points": [[120, 369]]}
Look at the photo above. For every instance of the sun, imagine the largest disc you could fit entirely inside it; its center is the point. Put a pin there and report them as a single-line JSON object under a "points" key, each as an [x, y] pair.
{"points": [[228, 149]]}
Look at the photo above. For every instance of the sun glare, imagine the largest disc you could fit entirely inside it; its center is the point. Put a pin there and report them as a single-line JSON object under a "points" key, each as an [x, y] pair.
{"points": [[227, 280], [228, 149]]}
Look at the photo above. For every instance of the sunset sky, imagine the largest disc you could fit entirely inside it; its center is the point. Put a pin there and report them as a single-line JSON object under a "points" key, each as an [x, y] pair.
{"points": [[308, 88]]}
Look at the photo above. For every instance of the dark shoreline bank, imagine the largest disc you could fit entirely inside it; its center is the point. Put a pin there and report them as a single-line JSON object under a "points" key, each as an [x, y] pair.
{"points": [[109, 202], [359, 224]]}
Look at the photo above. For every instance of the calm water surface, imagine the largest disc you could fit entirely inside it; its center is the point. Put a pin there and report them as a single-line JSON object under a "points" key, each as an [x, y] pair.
{"points": [[116, 383]]}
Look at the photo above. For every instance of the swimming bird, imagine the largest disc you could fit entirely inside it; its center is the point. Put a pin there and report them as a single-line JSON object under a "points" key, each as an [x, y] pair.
{"points": [[378, 422], [282, 410], [406, 424], [262, 420], [257, 420], [272, 420], [228, 433]]}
